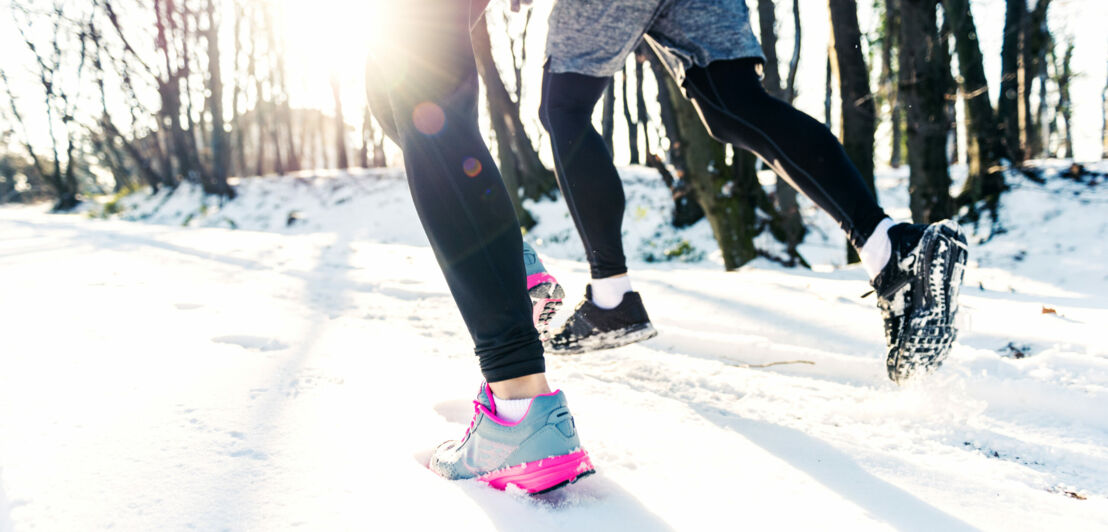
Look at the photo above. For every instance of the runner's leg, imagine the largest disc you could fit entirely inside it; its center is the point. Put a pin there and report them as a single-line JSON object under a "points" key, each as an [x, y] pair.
{"points": [[457, 189], [583, 165], [736, 108]]}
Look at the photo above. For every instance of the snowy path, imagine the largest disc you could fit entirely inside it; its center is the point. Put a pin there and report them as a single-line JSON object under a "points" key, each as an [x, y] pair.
{"points": [[164, 378]]}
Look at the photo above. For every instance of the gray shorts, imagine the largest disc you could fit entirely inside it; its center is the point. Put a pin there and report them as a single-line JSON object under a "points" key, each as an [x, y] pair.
{"points": [[594, 37]]}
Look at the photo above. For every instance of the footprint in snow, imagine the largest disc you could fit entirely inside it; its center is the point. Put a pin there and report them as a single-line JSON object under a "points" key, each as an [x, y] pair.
{"points": [[249, 453], [188, 306], [252, 343]]}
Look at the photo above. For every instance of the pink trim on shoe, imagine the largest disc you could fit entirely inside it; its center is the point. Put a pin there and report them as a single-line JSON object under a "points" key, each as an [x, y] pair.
{"points": [[541, 475], [491, 412], [540, 278]]}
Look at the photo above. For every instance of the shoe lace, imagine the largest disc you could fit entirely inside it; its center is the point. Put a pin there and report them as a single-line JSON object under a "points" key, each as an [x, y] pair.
{"points": [[473, 421]]}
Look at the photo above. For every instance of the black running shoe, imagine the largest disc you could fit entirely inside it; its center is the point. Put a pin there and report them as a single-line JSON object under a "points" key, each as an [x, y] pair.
{"points": [[592, 328], [917, 292]]}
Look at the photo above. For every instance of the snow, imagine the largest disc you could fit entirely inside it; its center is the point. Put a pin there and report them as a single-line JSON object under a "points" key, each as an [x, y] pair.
{"points": [[163, 371]]}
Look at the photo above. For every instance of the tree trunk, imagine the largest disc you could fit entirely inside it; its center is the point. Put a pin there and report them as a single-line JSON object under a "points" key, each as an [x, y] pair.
{"points": [[632, 127], [858, 114], [520, 166], [237, 126], [535, 180], [794, 62], [643, 118], [1036, 42], [827, 91], [607, 118], [725, 201], [951, 88], [889, 77], [767, 26], [1007, 108], [220, 156], [1065, 106], [784, 193], [922, 87], [984, 138], [340, 125], [1104, 122], [686, 208]]}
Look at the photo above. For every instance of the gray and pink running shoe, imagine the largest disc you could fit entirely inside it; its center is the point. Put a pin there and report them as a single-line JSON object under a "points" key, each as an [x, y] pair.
{"points": [[546, 293], [537, 454]]}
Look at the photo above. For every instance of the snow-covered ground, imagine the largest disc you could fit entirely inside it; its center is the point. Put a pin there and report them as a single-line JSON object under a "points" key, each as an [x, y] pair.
{"points": [[289, 359]]}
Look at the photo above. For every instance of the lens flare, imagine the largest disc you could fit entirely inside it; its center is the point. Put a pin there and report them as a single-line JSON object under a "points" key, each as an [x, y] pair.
{"points": [[428, 118], [471, 166]]}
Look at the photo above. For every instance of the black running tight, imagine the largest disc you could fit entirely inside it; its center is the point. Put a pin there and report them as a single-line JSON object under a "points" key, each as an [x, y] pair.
{"points": [[431, 80], [736, 109]]}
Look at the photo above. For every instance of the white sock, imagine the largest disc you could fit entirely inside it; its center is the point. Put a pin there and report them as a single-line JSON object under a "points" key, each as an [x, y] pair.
{"points": [[512, 410], [608, 293], [878, 248]]}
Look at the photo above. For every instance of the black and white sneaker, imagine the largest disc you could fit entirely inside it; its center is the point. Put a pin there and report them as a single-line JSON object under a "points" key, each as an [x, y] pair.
{"points": [[592, 328], [917, 292]]}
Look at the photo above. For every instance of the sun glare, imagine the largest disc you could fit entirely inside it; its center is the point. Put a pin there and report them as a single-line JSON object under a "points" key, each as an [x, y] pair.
{"points": [[332, 37]]}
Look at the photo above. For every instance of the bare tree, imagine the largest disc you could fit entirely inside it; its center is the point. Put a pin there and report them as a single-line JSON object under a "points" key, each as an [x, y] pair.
{"points": [[784, 193], [607, 115], [985, 148], [217, 183], [340, 124], [923, 89], [794, 61], [828, 90], [858, 112], [1010, 92], [1063, 77], [1036, 42], [888, 92], [632, 127], [520, 166], [1104, 122], [59, 99]]}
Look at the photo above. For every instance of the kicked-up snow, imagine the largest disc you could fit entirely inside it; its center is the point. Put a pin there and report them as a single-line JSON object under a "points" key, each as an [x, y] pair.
{"points": [[287, 361]]}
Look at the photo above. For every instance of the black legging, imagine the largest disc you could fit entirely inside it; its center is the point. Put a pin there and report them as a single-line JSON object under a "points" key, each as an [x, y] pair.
{"points": [[430, 77], [736, 109]]}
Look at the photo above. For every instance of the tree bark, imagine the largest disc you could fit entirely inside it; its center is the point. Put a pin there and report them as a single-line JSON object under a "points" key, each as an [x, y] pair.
{"points": [[1010, 59], [238, 128], [794, 62], [767, 26], [632, 127], [784, 193], [607, 116], [888, 79], [340, 125], [217, 183], [985, 147], [1104, 122], [686, 208], [858, 112], [1037, 41], [643, 118], [725, 201], [1065, 105], [520, 166], [922, 87], [827, 91]]}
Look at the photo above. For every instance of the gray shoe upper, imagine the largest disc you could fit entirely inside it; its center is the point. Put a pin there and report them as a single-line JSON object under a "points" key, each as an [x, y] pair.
{"points": [[490, 444], [531, 260]]}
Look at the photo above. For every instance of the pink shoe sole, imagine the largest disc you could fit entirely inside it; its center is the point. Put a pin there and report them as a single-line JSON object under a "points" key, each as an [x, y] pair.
{"points": [[542, 475], [546, 298]]}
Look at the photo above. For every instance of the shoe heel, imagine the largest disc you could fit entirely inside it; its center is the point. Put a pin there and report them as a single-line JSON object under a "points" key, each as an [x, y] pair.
{"points": [[543, 475]]}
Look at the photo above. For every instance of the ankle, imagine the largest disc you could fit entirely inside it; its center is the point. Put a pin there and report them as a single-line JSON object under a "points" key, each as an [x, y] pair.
{"points": [[878, 248], [608, 293], [521, 387]]}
